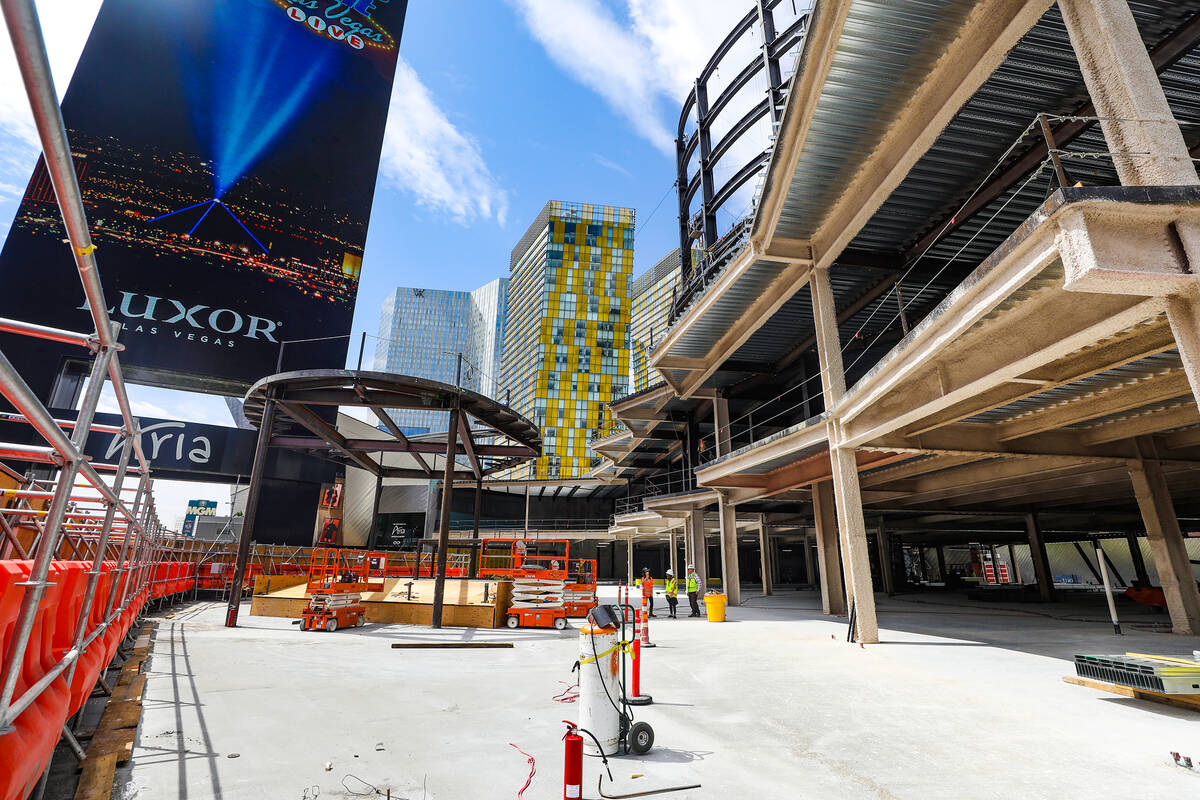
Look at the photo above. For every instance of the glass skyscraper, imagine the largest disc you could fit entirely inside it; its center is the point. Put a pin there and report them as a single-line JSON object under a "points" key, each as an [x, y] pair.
{"points": [[653, 293], [423, 331], [566, 340]]}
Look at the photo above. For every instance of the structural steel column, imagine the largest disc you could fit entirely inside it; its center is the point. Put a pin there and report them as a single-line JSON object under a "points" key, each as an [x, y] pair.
{"points": [[1167, 546], [478, 507], [1183, 314], [941, 562], [847, 492], [730, 576], [809, 576], [439, 584], [253, 490], [829, 562], [1126, 92], [853, 528], [1139, 563], [1041, 562], [721, 425], [764, 555], [699, 548], [629, 561], [673, 560], [373, 535], [883, 545]]}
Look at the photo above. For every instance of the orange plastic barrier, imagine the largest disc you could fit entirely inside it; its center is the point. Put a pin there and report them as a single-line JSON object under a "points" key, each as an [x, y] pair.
{"points": [[25, 752]]}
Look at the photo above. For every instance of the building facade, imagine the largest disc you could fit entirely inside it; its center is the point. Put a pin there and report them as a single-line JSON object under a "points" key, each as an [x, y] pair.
{"points": [[566, 340], [651, 298], [422, 332]]}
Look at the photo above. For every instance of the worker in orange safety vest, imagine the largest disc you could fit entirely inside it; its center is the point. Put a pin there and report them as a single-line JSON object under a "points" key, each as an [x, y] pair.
{"points": [[647, 584]]}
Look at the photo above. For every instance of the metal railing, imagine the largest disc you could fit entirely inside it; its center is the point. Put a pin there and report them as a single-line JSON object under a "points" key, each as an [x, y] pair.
{"points": [[93, 519], [709, 267], [560, 524]]}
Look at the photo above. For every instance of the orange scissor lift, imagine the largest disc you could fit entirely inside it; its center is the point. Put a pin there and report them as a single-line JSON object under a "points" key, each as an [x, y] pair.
{"points": [[336, 579], [548, 585]]}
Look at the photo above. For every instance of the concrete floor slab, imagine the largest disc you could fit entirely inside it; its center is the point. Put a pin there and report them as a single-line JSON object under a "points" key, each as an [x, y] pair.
{"points": [[962, 700]]}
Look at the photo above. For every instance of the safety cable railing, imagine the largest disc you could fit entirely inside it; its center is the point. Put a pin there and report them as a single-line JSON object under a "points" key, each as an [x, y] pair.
{"points": [[560, 524], [1056, 166], [120, 551]]}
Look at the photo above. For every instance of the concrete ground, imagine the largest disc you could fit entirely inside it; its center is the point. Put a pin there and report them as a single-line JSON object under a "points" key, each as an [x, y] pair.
{"points": [[961, 700]]}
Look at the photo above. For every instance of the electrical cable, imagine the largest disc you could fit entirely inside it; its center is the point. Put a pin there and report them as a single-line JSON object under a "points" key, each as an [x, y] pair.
{"points": [[532, 770], [567, 695], [638, 229], [374, 789]]}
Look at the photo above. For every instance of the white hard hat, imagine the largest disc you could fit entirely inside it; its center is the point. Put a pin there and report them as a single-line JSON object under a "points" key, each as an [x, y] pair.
{"points": [[670, 573], [691, 566]]}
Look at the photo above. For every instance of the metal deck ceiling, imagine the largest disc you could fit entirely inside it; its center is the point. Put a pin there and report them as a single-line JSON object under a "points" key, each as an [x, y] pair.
{"points": [[1040, 74], [885, 49]]}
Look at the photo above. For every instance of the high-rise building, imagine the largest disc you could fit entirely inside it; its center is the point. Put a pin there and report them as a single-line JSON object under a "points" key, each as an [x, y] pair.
{"points": [[566, 340], [652, 295], [423, 331]]}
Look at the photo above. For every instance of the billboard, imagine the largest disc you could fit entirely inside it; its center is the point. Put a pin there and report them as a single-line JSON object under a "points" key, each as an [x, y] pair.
{"points": [[227, 152], [197, 508]]}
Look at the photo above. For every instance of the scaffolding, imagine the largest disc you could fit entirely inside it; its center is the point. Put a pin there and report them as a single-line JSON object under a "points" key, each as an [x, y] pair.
{"points": [[66, 507]]}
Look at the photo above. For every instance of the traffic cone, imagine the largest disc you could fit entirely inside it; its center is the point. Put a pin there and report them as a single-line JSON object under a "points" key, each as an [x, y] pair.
{"points": [[645, 625]]}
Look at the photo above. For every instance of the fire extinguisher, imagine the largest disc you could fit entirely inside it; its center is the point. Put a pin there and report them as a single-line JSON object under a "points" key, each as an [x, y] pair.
{"points": [[572, 763]]}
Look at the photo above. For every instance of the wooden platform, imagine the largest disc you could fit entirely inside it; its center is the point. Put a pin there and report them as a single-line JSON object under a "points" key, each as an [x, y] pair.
{"points": [[111, 744], [1191, 702], [465, 606]]}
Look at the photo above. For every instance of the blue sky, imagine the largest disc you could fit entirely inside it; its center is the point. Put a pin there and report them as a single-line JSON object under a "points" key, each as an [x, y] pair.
{"points": [[499, 106]]}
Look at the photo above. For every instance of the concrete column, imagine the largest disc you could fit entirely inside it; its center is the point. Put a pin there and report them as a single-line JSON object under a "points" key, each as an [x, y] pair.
{"points": [[1167, 546], [883, 541], [853, 529], [1041, 562], [673, 559], [699, 548], [1012, 557], [764, 555], [833, 591], [1127, 94], [1139, 563], [1183, 313], [721, 421], [730, 576], [629, 576], [809, 575], [846, 489]]}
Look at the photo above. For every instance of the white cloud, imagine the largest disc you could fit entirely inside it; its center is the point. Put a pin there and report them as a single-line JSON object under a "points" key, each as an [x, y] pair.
{"points": [[425, 154], [642, 67], [610, 164], [65, 26]]}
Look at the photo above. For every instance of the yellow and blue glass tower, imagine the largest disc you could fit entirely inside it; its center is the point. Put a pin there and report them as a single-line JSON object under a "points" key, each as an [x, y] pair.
{"points": [[651, 297], [566, 341]]}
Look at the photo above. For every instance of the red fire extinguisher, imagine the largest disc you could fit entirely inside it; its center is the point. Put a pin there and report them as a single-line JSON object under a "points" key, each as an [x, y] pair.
{"points": [[572, 763]]}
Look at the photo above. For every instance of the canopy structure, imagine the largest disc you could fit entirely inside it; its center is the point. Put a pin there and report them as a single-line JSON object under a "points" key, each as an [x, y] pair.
{"points": [[492, 436], [293, 410]]}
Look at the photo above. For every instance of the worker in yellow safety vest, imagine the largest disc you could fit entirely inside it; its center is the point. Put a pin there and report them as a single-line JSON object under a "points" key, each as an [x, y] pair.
{"points": [[672, 592], [693, 590]]}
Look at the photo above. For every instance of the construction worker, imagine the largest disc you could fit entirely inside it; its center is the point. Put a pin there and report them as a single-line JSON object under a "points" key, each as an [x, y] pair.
{"points": [[672, 590], [693, 590], [647, 584]]}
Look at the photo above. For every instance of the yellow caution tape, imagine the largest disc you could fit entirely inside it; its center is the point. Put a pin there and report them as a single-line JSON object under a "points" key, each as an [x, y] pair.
{"points": [[86, 251], [622, 646]]}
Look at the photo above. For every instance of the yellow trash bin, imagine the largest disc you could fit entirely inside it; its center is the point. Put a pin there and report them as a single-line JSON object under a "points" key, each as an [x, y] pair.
{"points": [[715, 603]]}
